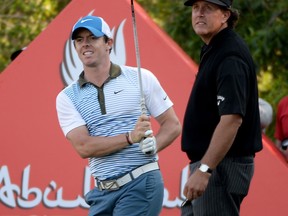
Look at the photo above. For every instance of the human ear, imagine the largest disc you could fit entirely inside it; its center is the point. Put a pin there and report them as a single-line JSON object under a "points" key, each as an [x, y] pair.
{"points": [[226, 16]]}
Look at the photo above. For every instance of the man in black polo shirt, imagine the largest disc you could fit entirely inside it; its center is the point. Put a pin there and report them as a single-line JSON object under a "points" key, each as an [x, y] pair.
{"points": [[221, 129]]}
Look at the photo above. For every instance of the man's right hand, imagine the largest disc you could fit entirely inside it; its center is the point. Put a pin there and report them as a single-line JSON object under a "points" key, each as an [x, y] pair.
{"points": [[142, 125]]}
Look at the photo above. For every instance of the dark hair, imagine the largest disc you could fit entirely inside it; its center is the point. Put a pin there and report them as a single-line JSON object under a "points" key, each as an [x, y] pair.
{"points": [[106, 38], [234, 17], [15, 54]]}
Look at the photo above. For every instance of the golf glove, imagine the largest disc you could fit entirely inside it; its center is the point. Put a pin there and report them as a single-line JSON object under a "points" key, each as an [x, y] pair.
{"points": [[148, 145]]}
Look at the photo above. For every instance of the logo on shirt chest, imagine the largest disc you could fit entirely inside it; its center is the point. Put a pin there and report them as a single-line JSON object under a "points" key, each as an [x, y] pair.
{"points": [[116, 92]]}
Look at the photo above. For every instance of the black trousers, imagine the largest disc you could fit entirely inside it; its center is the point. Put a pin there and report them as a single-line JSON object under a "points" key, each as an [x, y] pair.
{"points": [[227, 187]]}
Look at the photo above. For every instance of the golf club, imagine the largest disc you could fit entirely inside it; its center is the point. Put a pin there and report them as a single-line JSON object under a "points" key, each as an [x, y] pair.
{"points": [[142, 101]]}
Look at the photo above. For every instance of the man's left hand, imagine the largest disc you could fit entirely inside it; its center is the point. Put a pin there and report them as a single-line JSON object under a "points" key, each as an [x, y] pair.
{"points": [[148, 145]]}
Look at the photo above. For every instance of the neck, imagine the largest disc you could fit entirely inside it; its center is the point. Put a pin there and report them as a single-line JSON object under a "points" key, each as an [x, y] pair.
{"points": [[98, 74], [208, 38]]}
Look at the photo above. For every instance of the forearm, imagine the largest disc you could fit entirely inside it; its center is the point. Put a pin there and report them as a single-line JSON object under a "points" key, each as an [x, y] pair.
{"points": [[165, 137], [95, 146], [170, 129], [222, 140], [102, 146]]}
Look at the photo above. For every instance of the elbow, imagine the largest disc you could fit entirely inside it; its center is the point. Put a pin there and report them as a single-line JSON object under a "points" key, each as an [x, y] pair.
{"points": [[83, 151], [83, 154], [177, 129]]}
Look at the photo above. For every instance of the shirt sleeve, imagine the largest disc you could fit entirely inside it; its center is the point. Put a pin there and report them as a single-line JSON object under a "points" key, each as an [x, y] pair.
{"points": [[232, 86], [156, 99], [68, 117]]}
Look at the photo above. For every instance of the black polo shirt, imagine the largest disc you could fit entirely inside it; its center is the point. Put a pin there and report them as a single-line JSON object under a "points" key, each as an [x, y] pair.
{"points": [[226, 83]]}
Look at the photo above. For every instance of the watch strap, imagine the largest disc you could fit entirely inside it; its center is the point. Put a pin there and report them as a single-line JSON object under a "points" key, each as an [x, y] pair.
{"points": [[205, 168]]}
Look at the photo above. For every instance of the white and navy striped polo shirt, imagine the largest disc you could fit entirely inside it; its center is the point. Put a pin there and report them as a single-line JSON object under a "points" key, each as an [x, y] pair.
{"points": [[111, 110]]}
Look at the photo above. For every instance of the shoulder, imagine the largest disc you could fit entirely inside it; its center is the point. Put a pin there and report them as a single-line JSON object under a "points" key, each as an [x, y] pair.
{"points": [[283, 102], [69, 90], [134, 71], [125, 69], [230, 41]]}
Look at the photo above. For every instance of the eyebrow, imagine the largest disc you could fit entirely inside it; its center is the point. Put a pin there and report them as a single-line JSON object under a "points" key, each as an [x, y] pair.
{"points": [[79, 36]]}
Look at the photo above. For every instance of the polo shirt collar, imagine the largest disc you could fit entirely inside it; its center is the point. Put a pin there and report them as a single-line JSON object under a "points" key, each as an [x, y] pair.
{"points": [[114, 72]]}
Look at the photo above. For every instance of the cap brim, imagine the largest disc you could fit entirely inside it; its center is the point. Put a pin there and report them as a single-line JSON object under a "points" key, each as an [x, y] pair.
{"points": [[94, 31], [191, 2]]}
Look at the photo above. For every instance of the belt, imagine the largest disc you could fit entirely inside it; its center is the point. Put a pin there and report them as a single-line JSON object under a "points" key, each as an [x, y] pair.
{"points": [[115, 184]]}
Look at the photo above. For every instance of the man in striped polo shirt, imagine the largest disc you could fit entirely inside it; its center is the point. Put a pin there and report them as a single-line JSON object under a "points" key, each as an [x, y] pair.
{"points": [[100, 115]]}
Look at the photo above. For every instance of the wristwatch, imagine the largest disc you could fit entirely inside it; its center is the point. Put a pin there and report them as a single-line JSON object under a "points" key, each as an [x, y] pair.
{"points": [[205, 168]]}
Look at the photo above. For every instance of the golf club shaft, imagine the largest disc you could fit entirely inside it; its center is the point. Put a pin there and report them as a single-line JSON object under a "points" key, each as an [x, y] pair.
{"points": [[142, 101]]}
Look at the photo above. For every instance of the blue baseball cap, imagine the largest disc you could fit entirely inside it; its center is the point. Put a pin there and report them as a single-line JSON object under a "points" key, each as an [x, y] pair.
{"points": [[96, 25]]}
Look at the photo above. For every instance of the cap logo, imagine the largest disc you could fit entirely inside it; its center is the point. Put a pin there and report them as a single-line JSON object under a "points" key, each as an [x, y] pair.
{"points": [[85, 20]]}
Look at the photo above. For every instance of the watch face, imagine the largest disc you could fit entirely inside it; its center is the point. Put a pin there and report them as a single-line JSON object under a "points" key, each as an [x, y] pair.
{"points": [[203, 168]]}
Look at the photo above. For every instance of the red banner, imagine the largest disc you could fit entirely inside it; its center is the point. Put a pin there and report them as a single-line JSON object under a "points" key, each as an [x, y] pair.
{"points": [[40, 173]]}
